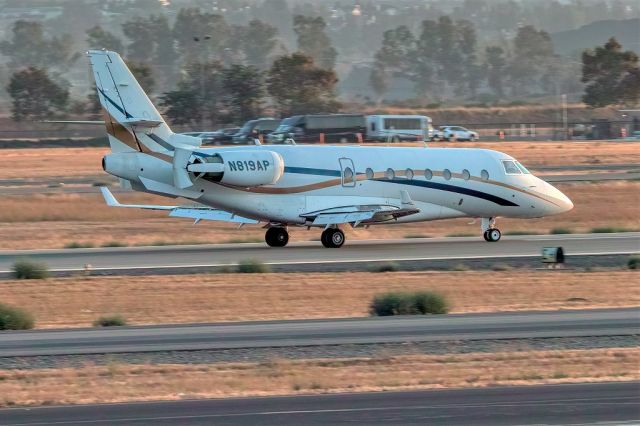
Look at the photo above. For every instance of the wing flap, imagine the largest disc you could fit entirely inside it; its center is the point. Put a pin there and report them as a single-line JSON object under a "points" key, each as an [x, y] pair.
{"points": [[209, 214], [336, 218]]}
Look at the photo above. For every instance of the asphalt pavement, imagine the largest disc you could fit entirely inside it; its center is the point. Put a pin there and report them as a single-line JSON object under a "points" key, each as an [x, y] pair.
{"points": [[573, 404], [307, 333], [157, 259]]}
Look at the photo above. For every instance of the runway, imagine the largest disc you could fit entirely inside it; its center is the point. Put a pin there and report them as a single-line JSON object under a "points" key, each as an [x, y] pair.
{"points": [[272, 334], [583, 404], [157, 259]]}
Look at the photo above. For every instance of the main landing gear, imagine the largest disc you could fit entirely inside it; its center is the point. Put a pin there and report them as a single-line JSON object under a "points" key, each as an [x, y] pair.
{"points": [[276, 236], [332, 238], [490, 232]]}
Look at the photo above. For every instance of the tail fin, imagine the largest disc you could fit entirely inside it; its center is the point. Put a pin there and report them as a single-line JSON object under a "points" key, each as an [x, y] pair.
{"points": [[133, 123]]}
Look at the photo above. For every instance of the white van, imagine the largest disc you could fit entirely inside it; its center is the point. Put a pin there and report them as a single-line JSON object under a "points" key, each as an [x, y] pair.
{"points": [[396, 128]]}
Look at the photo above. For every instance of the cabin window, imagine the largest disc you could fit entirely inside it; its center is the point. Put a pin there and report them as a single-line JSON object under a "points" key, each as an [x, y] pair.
{"points": [[348, 175], [484, 175], [373, 126], [390, 174], [408, 174], [510, 167], [446, 173], [428, 174], [466, 175], [369, 173]]}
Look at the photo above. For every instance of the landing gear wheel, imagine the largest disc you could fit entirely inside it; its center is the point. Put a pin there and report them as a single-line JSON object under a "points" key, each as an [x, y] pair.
{"points": [[492, 235], [332, 238], [276, 237]]}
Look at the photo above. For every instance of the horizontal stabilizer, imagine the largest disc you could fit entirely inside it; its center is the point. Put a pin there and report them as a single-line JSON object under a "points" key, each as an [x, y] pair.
{"points": [[112, 202], [142, 122], [88, 122], [191, 212]]}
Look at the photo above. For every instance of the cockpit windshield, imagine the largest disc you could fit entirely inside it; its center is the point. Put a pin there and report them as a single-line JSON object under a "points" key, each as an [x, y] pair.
{"points": [[523, 168], [510, 167]]}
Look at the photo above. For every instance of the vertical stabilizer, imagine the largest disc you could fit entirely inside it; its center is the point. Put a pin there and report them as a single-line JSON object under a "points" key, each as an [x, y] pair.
{"points": [[133, 123]]}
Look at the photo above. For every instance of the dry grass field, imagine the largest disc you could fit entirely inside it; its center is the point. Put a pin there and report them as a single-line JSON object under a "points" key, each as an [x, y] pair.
{"points": [[120, 382], [64, 162], [77, 302], [54, 220]]}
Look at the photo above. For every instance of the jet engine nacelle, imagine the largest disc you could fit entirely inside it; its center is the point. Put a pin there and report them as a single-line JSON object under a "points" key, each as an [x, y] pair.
{"points": [[237, 168], [251, 168]]}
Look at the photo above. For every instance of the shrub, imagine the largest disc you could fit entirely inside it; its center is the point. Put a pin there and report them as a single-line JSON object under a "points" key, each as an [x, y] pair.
{"points": [[633, 262], [251, 266], [12, 318], [609, 230], [114, 244], [408, 303], [561, 231], [76, 244], [110, 321], [501, 267], [385, 267], [26, 269]]}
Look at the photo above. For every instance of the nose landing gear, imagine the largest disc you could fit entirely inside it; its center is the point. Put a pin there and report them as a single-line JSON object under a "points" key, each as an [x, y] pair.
{"points": [[276, 236], [332, 238], [492, 235], [490, 232]]}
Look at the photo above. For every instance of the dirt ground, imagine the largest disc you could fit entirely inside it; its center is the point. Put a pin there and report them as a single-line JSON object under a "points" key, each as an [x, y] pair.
{"points": [[77, 302], [60, 162], [119, 382], [55, 220]]}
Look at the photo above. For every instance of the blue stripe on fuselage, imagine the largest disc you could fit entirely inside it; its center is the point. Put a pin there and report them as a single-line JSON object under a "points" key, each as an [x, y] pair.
{"points": [[310, 171], [452, 188]]}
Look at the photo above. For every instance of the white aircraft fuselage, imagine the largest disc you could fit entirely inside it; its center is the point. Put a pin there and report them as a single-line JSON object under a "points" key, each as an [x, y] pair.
{"points": [[308, 185]]}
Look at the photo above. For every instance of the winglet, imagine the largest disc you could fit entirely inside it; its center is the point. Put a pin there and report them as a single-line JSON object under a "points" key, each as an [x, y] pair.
{"points": [[109, 198]]}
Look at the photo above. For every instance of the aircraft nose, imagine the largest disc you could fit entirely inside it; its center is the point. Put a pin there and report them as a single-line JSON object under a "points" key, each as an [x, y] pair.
{"points": [[562, 203]]}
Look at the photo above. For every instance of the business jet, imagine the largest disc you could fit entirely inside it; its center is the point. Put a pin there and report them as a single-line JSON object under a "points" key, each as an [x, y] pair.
{"points": [[312, 186]]}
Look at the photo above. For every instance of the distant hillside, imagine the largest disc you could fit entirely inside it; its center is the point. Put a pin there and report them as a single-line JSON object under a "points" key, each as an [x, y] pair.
{"points": [[627, 32]]}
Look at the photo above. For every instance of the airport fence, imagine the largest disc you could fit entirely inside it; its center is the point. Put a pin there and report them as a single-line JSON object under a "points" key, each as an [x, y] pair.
{"points": [[531, 131]]}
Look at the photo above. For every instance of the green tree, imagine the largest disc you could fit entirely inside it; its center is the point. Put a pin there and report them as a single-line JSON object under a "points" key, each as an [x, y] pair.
{"points": [[298, 86], [28, 47], [243, 92], [35, 96], [611, 76], [495, 63], [98, 38], [313, 41], [532, 54], [198, 98], [256, 41], [200, 36]]}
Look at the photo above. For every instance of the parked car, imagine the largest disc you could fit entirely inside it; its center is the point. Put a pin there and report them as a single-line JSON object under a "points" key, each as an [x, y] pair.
{"points": [[307, 128], [396, 128], [458, 133], [252, 129], [221, 136]]}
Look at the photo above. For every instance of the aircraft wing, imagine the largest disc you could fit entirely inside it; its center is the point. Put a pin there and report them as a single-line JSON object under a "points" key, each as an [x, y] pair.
{"points": [[363, 214], [192, 212]]}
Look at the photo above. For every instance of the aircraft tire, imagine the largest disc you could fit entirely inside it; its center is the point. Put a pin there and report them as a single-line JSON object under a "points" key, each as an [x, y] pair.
{"points": [[276, 237], [332, 238], [494, 235]]}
